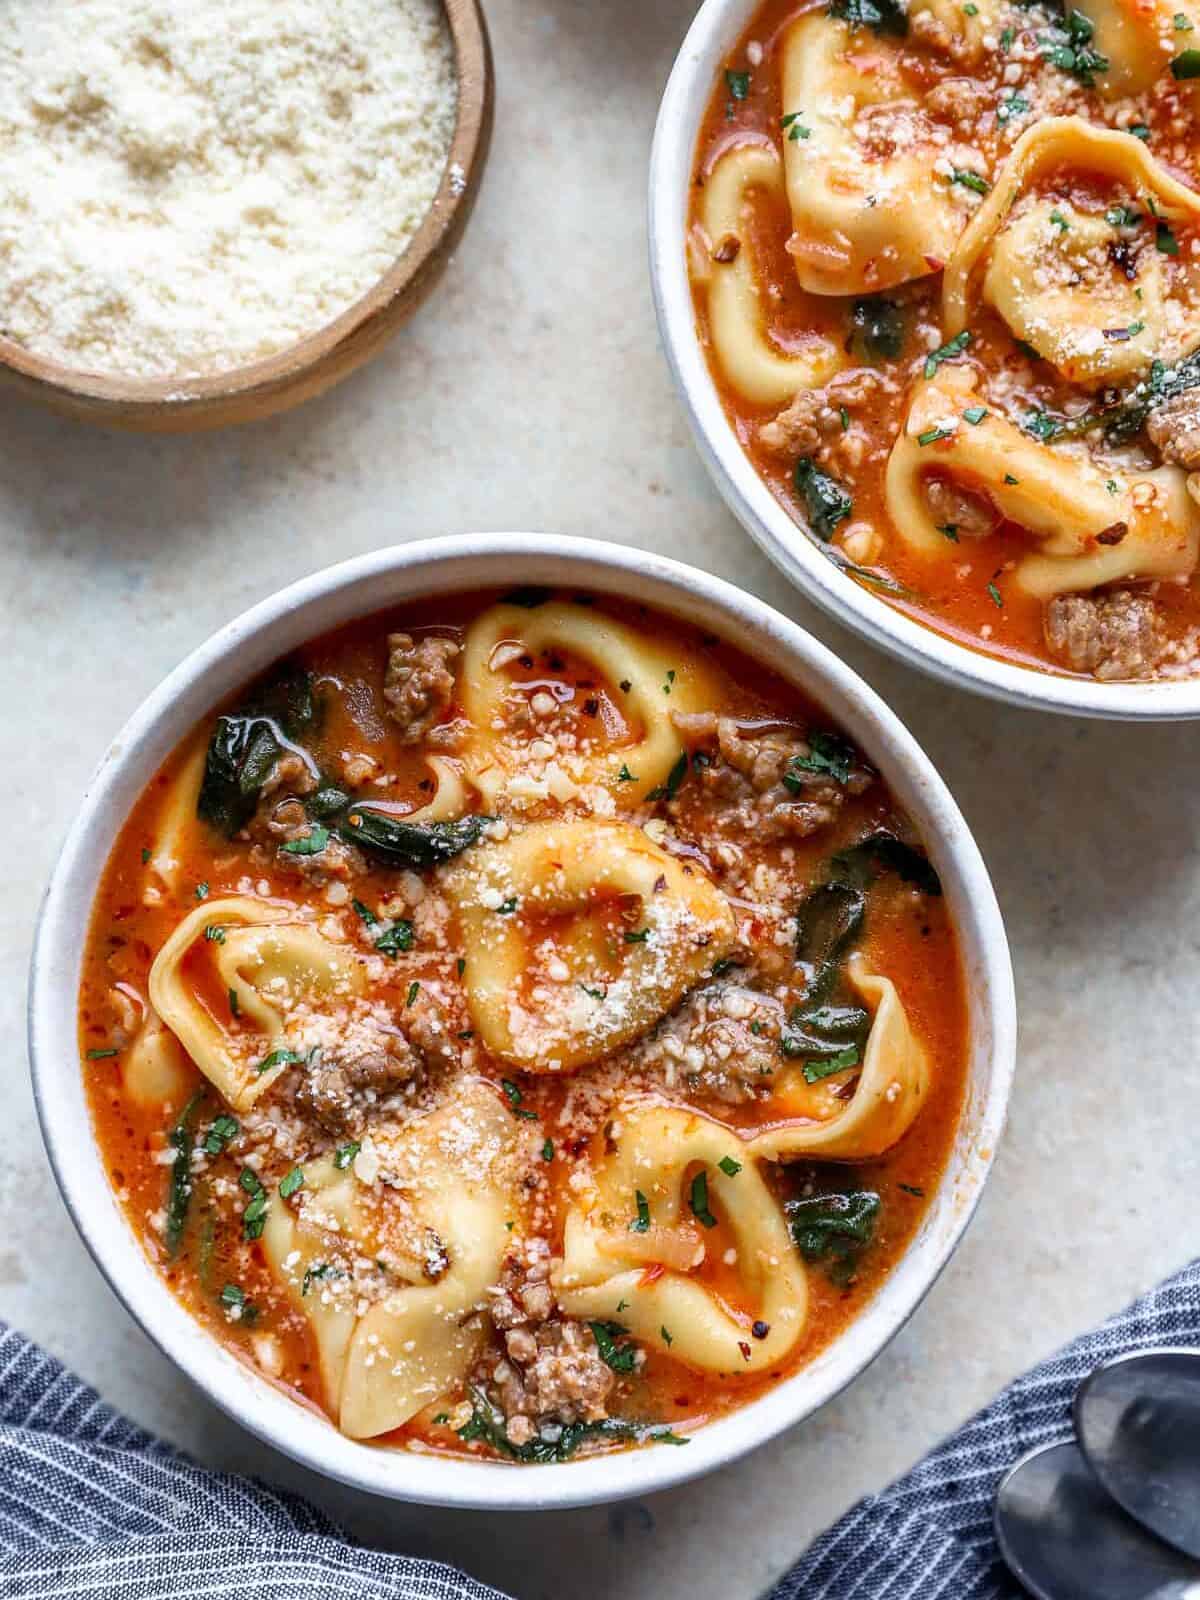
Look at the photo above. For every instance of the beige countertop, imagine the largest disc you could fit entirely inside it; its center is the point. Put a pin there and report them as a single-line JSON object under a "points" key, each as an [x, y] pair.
{"points": [[531, 393]]}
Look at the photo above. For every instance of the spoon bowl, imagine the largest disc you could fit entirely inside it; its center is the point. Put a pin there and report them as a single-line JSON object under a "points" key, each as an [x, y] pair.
{"points": [[1065, 1539], [1137, 1420]]}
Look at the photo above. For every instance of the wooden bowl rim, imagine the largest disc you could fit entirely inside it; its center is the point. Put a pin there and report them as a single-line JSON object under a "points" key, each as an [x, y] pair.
{"points": [[463, 170]]}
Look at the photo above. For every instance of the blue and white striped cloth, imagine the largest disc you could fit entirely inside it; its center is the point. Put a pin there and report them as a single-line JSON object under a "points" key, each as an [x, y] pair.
{"points": [[92, 1505]]}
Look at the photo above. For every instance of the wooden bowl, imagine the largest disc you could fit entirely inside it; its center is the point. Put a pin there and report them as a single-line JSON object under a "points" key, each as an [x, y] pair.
{"points": [[316, 363]]}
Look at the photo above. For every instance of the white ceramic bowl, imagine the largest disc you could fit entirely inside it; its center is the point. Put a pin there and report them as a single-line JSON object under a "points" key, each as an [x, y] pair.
{"points": [[717, 26], [243, 649]]}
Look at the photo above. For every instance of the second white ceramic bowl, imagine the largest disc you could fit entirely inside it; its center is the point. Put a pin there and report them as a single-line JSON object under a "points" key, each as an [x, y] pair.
{"points": [[245, 648], [717, 26]]}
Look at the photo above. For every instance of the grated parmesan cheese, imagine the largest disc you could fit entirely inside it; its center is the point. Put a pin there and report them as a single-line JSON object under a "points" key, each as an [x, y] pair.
{"points": [[190, 185]]}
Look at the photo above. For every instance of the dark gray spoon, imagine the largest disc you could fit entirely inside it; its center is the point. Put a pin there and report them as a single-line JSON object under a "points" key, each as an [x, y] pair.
{"points": [[1137, 1420], [1065, 1539]]}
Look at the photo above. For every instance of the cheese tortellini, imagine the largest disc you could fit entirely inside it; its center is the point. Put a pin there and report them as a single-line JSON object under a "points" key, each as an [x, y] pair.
{"points": [[754, 364], [1092, 528], [646, 685], [224, 980], [433, 1222], [659, 1152], [865, 218], [887, 1098], [1047, 267], [677, 928]]}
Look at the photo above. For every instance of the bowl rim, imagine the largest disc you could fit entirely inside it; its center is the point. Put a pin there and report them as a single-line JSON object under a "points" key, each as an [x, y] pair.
{"points": [[246, 646], [713, 32], [335, 348]]}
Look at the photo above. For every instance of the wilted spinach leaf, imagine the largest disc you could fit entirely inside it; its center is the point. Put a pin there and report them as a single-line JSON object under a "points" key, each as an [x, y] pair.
{"points": [[882, 851], [825, 501], [834, 1228], [488, 1423], [828, 920], [879, 325], [246, 744], [409, 844], [179, 1190], [821, 1032]]}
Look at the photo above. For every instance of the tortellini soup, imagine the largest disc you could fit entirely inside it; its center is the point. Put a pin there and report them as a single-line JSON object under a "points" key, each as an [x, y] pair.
{"points": [[522, 1026], [945, 257]]}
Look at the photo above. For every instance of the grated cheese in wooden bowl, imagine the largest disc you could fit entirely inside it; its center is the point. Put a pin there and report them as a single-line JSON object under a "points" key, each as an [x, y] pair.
{"points": [[187, 186]]}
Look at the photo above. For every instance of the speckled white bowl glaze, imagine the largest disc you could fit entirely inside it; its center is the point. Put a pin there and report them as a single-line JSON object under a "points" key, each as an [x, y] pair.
{"points": [[717, 26], [244, 648]]}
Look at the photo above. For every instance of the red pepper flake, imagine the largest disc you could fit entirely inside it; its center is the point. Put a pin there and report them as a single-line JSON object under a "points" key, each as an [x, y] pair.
{"points": [[727, 250], [651, 1275], [1113, 534], [745, 1349]]}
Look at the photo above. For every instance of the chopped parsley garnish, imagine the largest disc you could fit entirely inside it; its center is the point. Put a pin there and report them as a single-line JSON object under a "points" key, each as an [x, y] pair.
{"points": [[1057, 220], [279, 1058], [292, 1184], [970, 180], [1069, 48], [947, 352], [1041, 425], [365, 913], [223, 1129], [729, 1166], [234, 1296], [641, 1223], [911, 1188], [637, 936], [1014, 106], [461, 965], [399, 937], [882, 16], [814, 1071], [202, 891], [1006, 39], [668, 790], [949, 530], [507, 908], [826, 502], [844, 419], [179, 1192], [1139, 130], [698, 1200], [254, 1218], [975, 415], [514, 1097], [1164, 239], [996, 596], [316, 1273], [666, 1336], [145, 856], [932, 435], [235, 1009], [345, 1154], [414, 990], [1122, 217], [796, 129], [548, 1150], [1186, 65], [971, 9], [311, 845], [828, 754], [594, 994], [738, 84], [214, 934], [1112, 486], [612, 1346], [1008, 478], [102, 1055], [625, 776], [1182, 23]]}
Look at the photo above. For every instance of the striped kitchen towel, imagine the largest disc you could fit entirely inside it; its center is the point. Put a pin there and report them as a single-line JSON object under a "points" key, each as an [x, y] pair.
{"points": [[929, 1536], [92, 1505]]}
